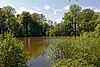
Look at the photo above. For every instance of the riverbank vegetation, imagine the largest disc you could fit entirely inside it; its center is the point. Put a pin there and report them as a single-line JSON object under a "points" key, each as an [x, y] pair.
{"points": [[12, 52], [82, 51]]}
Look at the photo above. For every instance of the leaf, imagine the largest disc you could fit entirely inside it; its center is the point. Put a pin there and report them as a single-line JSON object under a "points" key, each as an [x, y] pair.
{"points": [[76, 0], [68, 0]]}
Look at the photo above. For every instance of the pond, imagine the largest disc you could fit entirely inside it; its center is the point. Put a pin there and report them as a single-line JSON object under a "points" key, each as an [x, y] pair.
{"points": [[37, 47]]}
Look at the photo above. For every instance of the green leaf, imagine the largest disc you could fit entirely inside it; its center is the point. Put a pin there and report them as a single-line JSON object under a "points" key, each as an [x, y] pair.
{"points": [[68, 0], [76, 0]]}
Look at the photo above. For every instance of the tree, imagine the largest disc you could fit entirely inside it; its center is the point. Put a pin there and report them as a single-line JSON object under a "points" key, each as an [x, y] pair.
{"points": [[10, 10], [35, 29], [50, 22], [20, 31], [45, 27], [3, 18], [68, 23], [38, 17], [75, 9], [70, 20], [26, 19], [10, 17], [51, 31], [40, 21], [88, 21], [15, 27]]}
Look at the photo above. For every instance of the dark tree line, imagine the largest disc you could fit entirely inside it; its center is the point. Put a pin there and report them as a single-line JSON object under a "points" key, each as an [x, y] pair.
{"points": [[24, 24]]}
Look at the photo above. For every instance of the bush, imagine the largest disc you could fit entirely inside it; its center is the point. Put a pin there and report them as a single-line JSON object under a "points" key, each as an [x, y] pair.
{"points": [[95, 34], [72, 63], [85, 48], [11, 52]]}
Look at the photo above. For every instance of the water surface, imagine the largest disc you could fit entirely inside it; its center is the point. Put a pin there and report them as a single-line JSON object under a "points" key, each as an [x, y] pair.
{"points": [[37, 47]]}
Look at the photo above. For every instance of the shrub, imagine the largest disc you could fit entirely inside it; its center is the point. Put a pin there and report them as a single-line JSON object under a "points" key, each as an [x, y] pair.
{"points": [[72, 63], [11, 52], [85, 48]]}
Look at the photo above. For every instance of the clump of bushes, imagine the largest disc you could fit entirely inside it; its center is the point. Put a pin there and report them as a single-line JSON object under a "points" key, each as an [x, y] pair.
{"points": [[81, 51], [11, 52]]}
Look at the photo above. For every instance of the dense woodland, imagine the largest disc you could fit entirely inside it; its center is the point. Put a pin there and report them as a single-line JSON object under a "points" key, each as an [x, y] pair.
{"points": [[75, 22]]}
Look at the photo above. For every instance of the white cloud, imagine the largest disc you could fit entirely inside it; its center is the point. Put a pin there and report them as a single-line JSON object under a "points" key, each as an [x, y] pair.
{"points": [[96, 9], [56, 11], [66, 8], [21, 9], [85, 7], [46, 7], [58, 20], [36, 8], [55, 14]]}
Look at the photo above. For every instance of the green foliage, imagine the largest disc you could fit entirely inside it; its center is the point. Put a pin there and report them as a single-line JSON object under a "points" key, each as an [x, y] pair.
{"points": [[2, 21], [97, 31], [58, 30], [75, 22], [24, 24], [8, 20], [88, 21], [72, 63], [26, 21], [95, 34], [9, 10], [68, 21], [50, 31], [45, 27], [31, 24], [74, 9], [71, 20], [70, 0], [85, 48], [67, 27], [11, 52]]}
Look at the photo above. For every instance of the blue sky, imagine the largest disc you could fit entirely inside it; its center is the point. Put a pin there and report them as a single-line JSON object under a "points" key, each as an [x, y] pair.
{"points": [[52, 9]]}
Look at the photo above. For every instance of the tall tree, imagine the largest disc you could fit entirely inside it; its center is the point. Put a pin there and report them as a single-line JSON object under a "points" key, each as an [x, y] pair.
{"points": [[9, 10], [3, 19], [40, 20], [75, 9], [70, 19], [10, 17], [26, 20], [88, 21]]}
